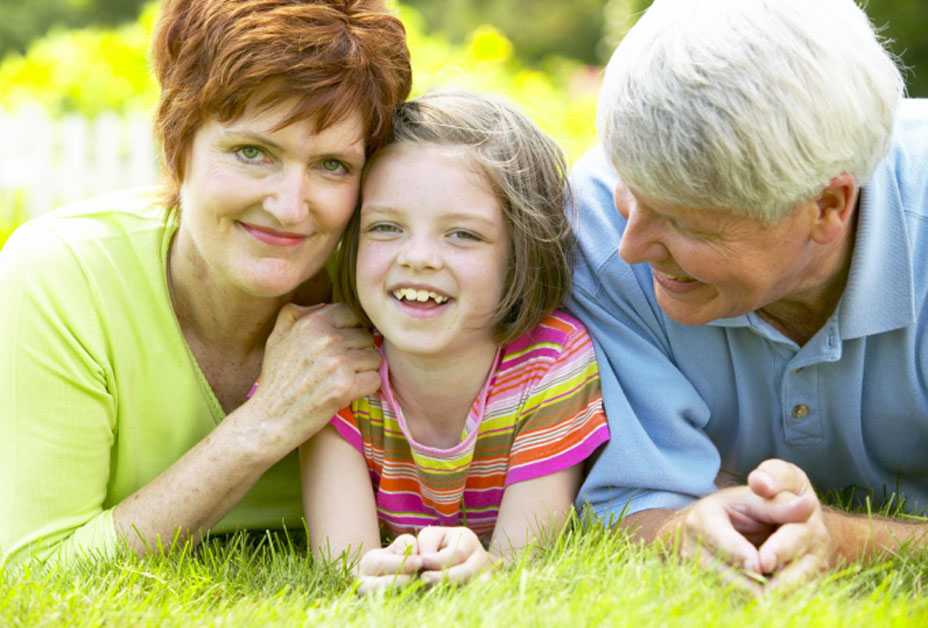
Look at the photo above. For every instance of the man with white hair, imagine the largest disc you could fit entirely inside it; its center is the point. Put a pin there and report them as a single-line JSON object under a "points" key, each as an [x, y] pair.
{"points": [[753, 254]]}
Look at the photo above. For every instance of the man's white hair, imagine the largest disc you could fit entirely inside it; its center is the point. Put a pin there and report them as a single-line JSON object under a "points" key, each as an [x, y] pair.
{"points": [[749, 106]]}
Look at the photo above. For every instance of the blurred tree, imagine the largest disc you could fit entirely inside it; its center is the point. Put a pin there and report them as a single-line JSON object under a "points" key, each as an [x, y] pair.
{"points": [[537, 28], [905, 22], [25, 20]]}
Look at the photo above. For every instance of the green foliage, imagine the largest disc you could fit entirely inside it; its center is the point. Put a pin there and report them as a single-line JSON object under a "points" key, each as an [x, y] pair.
{"points": [[90, 71], [85, 71], [590, 576], [24, 20]]}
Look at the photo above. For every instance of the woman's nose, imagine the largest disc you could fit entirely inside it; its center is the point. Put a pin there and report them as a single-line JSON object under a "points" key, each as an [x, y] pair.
{"points": [[287, 200]]}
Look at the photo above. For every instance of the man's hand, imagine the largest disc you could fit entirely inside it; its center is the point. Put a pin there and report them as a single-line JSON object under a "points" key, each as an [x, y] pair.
{"points": [[796, 550], [452, 554], [392, 566], [772, 527]]}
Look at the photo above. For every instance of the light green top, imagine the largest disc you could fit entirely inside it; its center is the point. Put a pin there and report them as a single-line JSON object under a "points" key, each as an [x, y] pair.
{"points": [[99, 392]]}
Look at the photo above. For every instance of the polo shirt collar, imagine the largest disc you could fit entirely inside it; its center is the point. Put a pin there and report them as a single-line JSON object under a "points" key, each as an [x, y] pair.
{"points": [[879, 295]]}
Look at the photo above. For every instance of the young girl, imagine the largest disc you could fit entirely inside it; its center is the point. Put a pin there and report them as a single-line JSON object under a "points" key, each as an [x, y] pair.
{"points": [[489, 398]]}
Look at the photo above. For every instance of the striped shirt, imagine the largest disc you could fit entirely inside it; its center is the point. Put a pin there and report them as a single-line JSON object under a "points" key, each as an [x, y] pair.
{"points": [[540, 411]]}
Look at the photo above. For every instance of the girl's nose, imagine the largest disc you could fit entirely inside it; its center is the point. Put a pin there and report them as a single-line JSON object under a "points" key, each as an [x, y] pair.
{"points": [[420, 253]]}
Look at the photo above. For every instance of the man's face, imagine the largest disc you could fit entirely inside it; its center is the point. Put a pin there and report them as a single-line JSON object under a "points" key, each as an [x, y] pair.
{"points": [[710, 264]]}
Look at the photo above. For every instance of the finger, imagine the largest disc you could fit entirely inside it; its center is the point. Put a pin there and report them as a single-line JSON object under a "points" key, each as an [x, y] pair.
{"points": [[341, 316], [710, 527], [785, 507], [363, 359], [446, 557], [743, 580], [459, 573], [372, 584], [403, 545], [355, 338], [431, 539], [383, 563], [774, 476], [366, 383], [287, 316], [789, 543], [797, 573]]}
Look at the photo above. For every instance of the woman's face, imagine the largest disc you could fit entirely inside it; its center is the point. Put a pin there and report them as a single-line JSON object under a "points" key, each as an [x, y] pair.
{"points": [[262, 210]]}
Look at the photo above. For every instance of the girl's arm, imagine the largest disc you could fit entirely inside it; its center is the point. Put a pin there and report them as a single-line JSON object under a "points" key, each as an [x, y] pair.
{"points": [[339, 504], [338, 499], [534, 509], [530, 510]]}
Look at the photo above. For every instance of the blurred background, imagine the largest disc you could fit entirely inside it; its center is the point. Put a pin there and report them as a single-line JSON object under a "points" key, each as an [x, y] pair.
{"points": [[76, 91]]}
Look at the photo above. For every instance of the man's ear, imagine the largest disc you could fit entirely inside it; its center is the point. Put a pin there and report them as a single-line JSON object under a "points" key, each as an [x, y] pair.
{"points": [[835, 208], [620, 197]]}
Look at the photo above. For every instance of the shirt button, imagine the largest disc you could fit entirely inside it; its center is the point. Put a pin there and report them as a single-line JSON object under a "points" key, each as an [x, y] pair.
{"points": [[800, 411]]}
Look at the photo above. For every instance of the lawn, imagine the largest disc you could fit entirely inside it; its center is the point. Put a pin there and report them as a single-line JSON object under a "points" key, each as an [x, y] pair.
{"points": [[589, 577]]}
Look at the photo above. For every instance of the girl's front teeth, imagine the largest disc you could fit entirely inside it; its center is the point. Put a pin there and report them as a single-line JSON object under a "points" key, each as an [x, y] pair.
{"points": [[411, 294]]}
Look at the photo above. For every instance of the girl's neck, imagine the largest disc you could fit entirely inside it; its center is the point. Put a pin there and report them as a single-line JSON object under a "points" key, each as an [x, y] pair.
{"points": [[436, 392]]}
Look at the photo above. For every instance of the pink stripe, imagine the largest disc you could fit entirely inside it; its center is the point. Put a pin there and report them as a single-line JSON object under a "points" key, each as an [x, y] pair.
{"points": [[484, 498], [349, 432], [576, 455]]}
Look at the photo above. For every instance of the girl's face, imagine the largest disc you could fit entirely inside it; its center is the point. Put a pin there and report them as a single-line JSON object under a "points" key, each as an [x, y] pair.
{"points": [[432, 252], [262, 209]]}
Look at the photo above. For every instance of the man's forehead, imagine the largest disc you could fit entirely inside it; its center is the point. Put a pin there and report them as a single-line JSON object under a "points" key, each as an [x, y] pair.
{"points": [[713, 219]]}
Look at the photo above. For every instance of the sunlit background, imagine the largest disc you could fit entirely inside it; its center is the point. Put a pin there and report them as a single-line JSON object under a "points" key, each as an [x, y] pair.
{"points": [[76, 91]]}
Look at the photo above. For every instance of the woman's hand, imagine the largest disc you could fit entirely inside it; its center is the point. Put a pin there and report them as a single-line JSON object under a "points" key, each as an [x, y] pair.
{"points": [[452, 554], [393, 566], [317, 361]]}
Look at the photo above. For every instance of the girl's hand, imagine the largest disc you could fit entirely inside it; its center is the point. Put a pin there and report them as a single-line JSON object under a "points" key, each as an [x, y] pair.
{"points": [[317, 361], [393, 566], [453, 554]]}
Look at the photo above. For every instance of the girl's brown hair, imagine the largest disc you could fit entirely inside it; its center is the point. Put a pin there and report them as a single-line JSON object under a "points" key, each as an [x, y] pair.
{"points": [[334, 57], [527, 173]]}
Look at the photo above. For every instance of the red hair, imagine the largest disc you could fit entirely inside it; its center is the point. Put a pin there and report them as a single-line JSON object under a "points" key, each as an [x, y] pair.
{"points": [[334, 57]]}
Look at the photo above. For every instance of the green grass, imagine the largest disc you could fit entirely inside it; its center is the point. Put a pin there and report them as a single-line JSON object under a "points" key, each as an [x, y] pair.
{"points": [[589, 577]]}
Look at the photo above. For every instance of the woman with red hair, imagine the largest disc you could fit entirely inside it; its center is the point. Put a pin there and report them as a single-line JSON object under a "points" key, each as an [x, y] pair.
{"points": [[134, 326]]}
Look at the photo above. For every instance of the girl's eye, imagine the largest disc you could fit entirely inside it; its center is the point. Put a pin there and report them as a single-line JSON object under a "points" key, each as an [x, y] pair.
{"points": [[250, 154], [463, 234], [383, 227], [334, 165]]}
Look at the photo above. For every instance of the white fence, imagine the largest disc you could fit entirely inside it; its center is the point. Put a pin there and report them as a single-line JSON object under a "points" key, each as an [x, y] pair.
{"points": [[48, 162]]}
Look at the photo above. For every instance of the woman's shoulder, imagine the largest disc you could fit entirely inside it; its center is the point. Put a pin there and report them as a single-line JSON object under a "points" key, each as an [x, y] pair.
{"points": [[101, 234]]}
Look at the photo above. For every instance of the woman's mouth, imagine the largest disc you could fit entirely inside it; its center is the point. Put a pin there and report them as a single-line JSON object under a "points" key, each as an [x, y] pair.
{"points": [[273, 237]]}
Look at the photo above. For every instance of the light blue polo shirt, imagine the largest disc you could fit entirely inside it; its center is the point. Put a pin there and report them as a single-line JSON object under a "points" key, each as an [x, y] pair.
{"points": [[850, 407]]}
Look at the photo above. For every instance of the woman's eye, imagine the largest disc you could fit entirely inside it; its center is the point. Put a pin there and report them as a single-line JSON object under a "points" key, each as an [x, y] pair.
{"points": [[250, 154], [334, 165]]}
